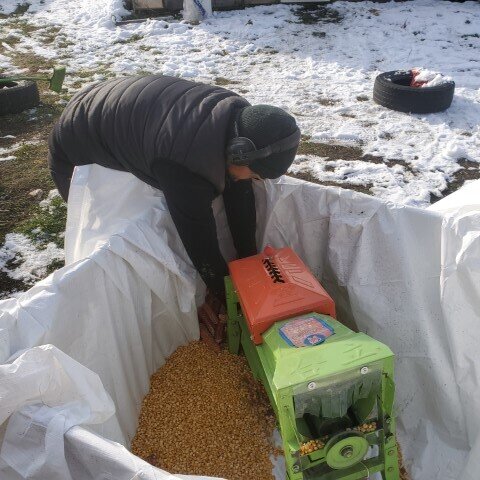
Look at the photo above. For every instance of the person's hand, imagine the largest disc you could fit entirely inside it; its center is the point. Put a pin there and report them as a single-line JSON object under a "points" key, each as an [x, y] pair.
{"points": [[213, 321], [217, 305]]}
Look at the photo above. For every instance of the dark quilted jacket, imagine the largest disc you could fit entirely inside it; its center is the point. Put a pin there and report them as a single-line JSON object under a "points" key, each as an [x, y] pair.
{"points": [[132, 123], [171, 134]]}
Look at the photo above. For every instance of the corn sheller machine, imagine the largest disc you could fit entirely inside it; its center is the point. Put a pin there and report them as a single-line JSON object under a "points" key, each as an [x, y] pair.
{"points": [[332, 389]]}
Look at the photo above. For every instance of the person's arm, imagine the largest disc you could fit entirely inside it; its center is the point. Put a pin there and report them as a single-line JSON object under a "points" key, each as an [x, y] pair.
{"points": [[60, 168], [189, 200], [239, 200]]}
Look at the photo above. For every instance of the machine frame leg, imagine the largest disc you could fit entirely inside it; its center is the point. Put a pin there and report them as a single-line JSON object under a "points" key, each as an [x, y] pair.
{"points": [[388, 446]]}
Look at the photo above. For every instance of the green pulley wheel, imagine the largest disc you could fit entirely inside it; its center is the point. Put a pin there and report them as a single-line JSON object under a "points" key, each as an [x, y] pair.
{"points": [[345, 450]]}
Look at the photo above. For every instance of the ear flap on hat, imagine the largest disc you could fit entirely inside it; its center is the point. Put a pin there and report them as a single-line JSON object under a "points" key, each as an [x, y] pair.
{"points": [[238, 149]]}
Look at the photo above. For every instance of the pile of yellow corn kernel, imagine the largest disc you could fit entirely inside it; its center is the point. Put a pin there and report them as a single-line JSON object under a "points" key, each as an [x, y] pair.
{"points": [[366, 427], [311, 446], [206, 415]]}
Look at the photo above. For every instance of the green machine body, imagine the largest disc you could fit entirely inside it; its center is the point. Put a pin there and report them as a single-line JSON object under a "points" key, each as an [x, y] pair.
{"points": [[333, 400]]}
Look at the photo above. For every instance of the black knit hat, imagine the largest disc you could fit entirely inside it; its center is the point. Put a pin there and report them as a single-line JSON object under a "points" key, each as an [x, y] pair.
{"points": [[264, 125]]}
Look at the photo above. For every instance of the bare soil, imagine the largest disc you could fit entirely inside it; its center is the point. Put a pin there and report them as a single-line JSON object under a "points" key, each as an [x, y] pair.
{"points": [[29, 171], [469, 171]]}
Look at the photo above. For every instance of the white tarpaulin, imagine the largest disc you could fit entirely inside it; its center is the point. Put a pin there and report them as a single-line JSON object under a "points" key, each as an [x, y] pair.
{"points": [[126, 300]]}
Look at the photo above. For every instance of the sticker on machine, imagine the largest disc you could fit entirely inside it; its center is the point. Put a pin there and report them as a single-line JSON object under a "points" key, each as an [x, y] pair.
{"points": [[306, 332]]}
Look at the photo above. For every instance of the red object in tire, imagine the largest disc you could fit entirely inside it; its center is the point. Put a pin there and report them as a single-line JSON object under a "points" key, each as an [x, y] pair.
{"points": [[415, 83]]}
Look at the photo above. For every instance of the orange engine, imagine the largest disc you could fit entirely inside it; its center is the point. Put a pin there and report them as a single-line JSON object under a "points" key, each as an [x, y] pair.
{"points": [[275, 285]]}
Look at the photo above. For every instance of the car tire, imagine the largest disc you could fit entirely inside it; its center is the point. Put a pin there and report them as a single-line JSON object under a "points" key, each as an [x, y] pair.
{"points": [[15, 97], [393, 90]]}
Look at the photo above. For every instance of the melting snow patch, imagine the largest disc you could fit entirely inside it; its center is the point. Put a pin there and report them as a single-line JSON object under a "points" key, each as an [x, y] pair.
{"points": [[321, 71], [4, 152], [27, 256], [47, 203], [22, 260]]}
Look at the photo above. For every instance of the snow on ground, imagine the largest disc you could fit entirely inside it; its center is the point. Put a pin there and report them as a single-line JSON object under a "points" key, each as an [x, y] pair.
{"points": [[28, 255], [5, 152], [322, 72], [318, 64], [21, 258]]}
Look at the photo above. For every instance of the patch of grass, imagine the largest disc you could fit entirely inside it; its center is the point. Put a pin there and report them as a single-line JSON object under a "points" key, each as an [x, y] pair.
{"points": [[345, 152], [222, 81], [24, 26], [20, 212], [9, 40], [269, 50], [87, 75], [9, 285], [327, 102], [333, 152], [62, 44], [313, 14], [145, 48], [84, 73], [18, 178], [77, 84], [134, 38], [29, 170], [385, 135], [470, 171], [46, 224], [49, 35], [23, 129], [20, 10], [308, 177], [55, 265], [32, 62]]}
